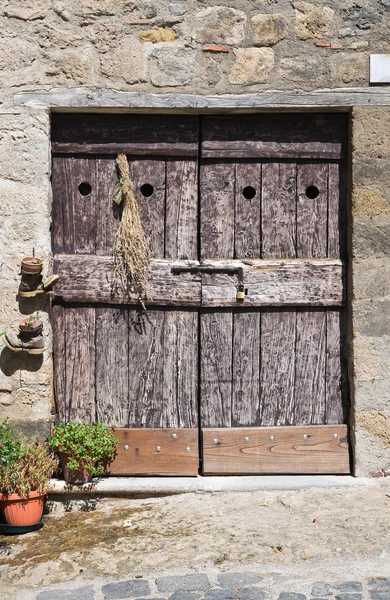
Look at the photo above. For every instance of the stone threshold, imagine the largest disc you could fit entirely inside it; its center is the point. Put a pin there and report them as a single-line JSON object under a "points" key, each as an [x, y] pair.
{"points": [[154, 486]]}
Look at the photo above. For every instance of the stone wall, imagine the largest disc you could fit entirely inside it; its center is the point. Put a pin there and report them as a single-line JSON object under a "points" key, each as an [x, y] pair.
{"points": [[188, 46]]}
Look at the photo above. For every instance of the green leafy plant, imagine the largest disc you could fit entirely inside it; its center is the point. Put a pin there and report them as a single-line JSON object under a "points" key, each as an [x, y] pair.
{"points": [[30, 471], [87, 447], [11, 448]]}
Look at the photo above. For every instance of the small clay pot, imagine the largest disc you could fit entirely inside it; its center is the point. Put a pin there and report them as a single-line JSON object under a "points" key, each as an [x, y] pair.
{"points": [[28, 324], [20, 512], [73, 477], [32, 264]]}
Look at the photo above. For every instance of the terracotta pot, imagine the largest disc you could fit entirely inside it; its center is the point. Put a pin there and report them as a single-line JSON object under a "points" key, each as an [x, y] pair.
{"points": [[73, 477], [32, 264], [22, 512]]}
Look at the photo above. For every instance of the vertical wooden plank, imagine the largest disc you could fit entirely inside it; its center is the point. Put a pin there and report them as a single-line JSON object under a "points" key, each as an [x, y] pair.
{"points": [[107, 211], [216, 368], [277, 373], [187, 328], [337, 213], [312, 212], [278, 207], [246, 369], [310, 368], [80, 364], [217, 185], [247, 243], [334, 394], [80, 208], [59, 197], [112, 371], [59, 354], [151, 173], [181, 229]]}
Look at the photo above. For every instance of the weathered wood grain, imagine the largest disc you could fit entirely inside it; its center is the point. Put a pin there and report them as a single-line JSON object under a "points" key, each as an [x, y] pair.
{"points": [[246, 369], [80, 364], [337, 214], [310, 366], [58, 183], [137, 452], [108, 213], [287, 453], [181, 217], [217, 186], [277, 373], [91, 279], [312, 213], [151, 208], [112, 372], [91, 98], [216, 331], [247, 242], [160, 149], [315, 282], [59, 359], [334, 409], [278, 209]]}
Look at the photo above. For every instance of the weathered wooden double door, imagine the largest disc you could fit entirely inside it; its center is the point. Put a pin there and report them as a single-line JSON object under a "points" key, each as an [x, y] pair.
{"points": [[202, 380]]}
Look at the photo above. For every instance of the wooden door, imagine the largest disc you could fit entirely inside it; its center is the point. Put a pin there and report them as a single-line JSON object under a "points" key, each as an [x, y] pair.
{"points": [[271, 203]]}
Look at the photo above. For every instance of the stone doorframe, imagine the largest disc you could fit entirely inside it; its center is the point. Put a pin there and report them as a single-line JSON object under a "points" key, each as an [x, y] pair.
{"points": [[368, 224]]}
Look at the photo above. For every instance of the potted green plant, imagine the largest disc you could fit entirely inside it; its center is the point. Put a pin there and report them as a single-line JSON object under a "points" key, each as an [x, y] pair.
{"points": [[85, 450], [25, 471]]}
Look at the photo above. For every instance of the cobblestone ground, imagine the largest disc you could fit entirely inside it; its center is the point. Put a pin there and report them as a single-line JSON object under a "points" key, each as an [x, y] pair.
{"points": [[225, 586]]}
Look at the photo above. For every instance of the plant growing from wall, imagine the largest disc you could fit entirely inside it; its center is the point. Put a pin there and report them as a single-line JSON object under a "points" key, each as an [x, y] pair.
{"points": [[130, 249]]}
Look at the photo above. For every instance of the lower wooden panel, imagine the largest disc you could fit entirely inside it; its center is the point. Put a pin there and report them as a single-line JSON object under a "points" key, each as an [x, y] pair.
{"points": [[276, 450], [169, 452]]}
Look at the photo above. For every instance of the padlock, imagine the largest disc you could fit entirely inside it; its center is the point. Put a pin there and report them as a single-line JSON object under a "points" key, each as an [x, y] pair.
{"points": [[240, 295]]}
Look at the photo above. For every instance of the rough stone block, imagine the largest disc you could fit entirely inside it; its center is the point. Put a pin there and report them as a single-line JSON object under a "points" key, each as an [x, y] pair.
{"points": [[91, 8], [269, 29], [177, 9], [370, 132], [377, 423], [372, 395], [370, 236], [238, 580], [312, 21], [184, 583], [349, 68], [371, 317], [366, 367], [221, 594], [22, 198], [369, 202], [379, 582], [253, 593], [291, 596], [172, 66], [69, 65], [348, 597], [184, 596], [27, 10], [354, 587], [133, 588], [83, 593], [370, 453], [371, 278], [321, 589], [220, 25], [129, 64], [162, 34], [301, 69], [253, 65]]}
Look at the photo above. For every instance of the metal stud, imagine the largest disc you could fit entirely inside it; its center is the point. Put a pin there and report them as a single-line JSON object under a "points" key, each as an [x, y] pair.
{"points": [[335, 435], [174, 435], [158, 449], [272, 438], [246, 439], [188, 449], [305, 436], [125, 447], [215, 441]]}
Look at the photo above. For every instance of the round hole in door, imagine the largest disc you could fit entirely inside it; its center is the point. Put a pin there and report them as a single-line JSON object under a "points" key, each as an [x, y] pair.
{"points": [[249, 192], [147, 190], [312, 192], [85, 188]]}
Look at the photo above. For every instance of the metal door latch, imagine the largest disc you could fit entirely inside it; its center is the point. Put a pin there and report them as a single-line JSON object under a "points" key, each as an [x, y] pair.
{"points": [[239, 271]]}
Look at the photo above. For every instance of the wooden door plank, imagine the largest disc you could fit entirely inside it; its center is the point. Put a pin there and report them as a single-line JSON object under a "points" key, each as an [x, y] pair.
{"points": [[247, 242], [181, 226], [312, 212], [217, 185], [108, 213], [277, 374], [162, 452], [334, 411], [80, 364], [278, 225], [151, 207], [112, 372], [310, 367], [246, 369], [337, 212], [57, 318], [276, 450], [216, 368], [91, 279], [58, 183]]}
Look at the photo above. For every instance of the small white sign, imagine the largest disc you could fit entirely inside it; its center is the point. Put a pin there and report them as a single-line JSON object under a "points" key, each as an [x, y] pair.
{"points": [[380, 68]]}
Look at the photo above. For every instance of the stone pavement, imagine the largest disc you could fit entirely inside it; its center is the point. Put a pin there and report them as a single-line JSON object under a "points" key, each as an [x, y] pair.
{"points": [[225, 586]]}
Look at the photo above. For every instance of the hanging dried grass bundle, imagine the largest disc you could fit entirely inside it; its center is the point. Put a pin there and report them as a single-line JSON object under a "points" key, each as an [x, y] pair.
{"points": [[130, 249]]}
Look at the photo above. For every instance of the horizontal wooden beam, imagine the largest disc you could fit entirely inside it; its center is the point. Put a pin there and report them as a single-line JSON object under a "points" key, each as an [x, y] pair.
{"points": [[311, 449], [270, 150], [165, 149], [87, 278], [91, 99], [167, 452], [294, 282]]}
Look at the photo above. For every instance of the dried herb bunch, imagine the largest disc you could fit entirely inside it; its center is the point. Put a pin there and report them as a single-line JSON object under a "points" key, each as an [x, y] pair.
{"points": [[131, 249]]}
